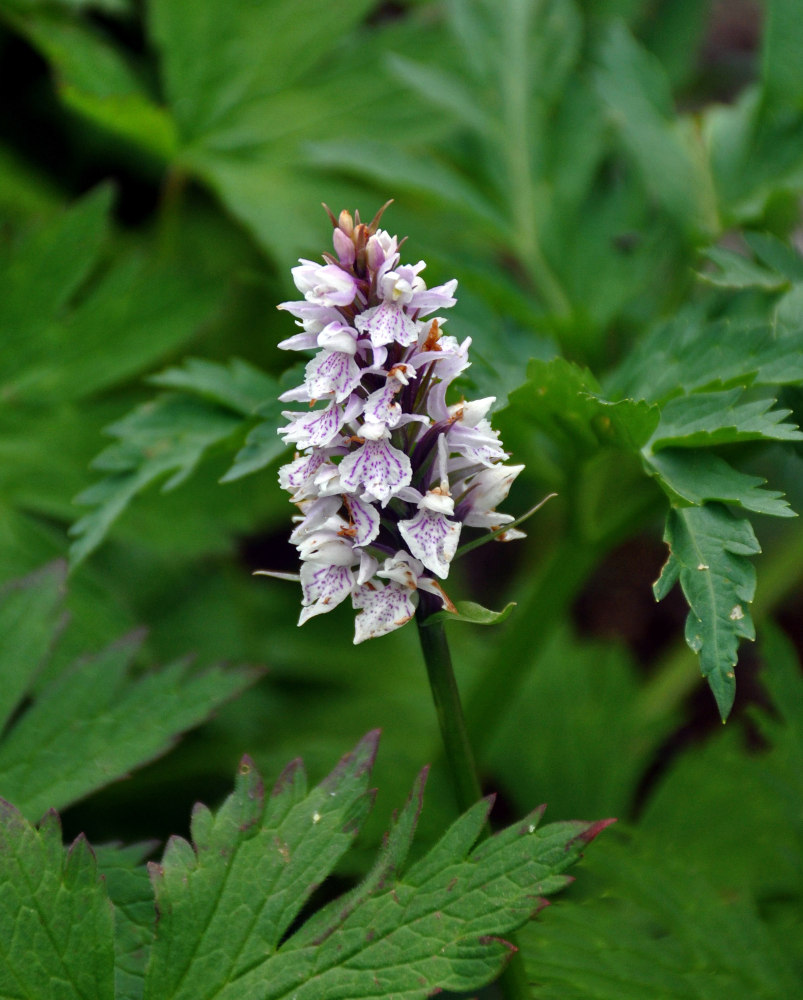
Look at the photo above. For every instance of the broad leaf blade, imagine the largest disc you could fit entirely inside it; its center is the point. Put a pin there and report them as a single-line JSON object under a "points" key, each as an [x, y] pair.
{"points": [[130, 892], [653, 926], [94, 723], [440, 926], [695, 477], [56, 925], [708, 550], [565, 402], [239, 386], [691, 354], [250, 52], [712, 418], [737, 271], [29, 614], [225, 902], [165, 439]]}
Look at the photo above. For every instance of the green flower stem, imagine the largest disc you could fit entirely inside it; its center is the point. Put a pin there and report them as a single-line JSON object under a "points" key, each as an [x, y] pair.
{"points": [[460, 758], [451, 721]]}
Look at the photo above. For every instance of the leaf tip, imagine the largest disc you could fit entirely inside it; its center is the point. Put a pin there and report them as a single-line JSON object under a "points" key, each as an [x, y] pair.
{"points": [[288, 776], [594, 829], [360, 760]]}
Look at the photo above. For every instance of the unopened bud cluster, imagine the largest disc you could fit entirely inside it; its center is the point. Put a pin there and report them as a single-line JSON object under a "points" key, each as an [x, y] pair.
{"points": [[386, 472]]}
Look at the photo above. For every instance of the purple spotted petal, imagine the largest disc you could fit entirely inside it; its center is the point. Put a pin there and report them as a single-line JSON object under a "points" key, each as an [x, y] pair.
{"points": [[363, 519], [297, 476], [387, 323], [478, 444], [323, 587], [382, 610], [315, 429], [429, 299], [432, 538], [332, 372], [376, 467], [381, 406]]}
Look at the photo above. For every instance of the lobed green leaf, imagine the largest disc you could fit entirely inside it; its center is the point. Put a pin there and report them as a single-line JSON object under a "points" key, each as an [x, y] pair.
{"points": [[56, 925], [708, 547], [93, 721], [694, 477], [712, 418], [226, 902], [565, 402]]}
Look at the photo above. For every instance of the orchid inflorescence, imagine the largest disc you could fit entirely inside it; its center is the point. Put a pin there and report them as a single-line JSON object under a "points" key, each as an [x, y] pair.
{"points": [[385, 473]]}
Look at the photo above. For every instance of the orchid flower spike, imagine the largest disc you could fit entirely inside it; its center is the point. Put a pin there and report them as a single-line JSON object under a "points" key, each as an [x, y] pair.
{"points": [[386, 473]]}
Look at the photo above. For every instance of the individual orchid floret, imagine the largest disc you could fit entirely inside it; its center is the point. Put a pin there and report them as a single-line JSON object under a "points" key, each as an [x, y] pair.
{"points": [[387, 471]]}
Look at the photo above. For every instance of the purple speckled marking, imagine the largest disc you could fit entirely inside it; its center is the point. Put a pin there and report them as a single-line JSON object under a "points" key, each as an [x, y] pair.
{"points": [[381, 610], [432, 538], [377, 467], [324, 587], [296, 473], [387, 323], [315, 429], [364, 519], [477, 444], [332, 372], [380, 406]]}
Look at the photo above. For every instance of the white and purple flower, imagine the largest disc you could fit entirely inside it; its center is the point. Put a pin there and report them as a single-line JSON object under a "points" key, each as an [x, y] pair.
{"points": [[378, 445]]}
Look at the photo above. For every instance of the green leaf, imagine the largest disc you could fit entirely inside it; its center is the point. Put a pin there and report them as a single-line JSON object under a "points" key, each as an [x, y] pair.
{"points": [[92, 722], [59, 350], [754, 153], [171, 435], [693, 804], [29, 615], [775, 254], [655, 926], [251, 52], [130, 892], [782, 54], [397, 170], [703, 898], [56, 925], [95, 79], [468, 611], [48, 267], [695, 477], [708, 547], [712, 418], [692, 354], [734, 270], [262, 445], [631, 83], [226, 902], [565, 402], [166, 437], [239, 386], [448, 91]]}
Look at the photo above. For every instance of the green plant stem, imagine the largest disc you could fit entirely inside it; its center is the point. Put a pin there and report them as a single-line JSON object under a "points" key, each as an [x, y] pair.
{"points": [[449, 711], [460, 758]]}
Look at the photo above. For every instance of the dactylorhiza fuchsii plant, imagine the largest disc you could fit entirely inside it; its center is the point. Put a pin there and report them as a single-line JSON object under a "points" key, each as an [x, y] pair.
{"points": [[386, 472]]}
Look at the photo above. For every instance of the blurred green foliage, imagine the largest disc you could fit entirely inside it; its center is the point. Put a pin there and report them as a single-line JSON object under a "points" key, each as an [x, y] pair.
{"points": [[616, 185]]}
